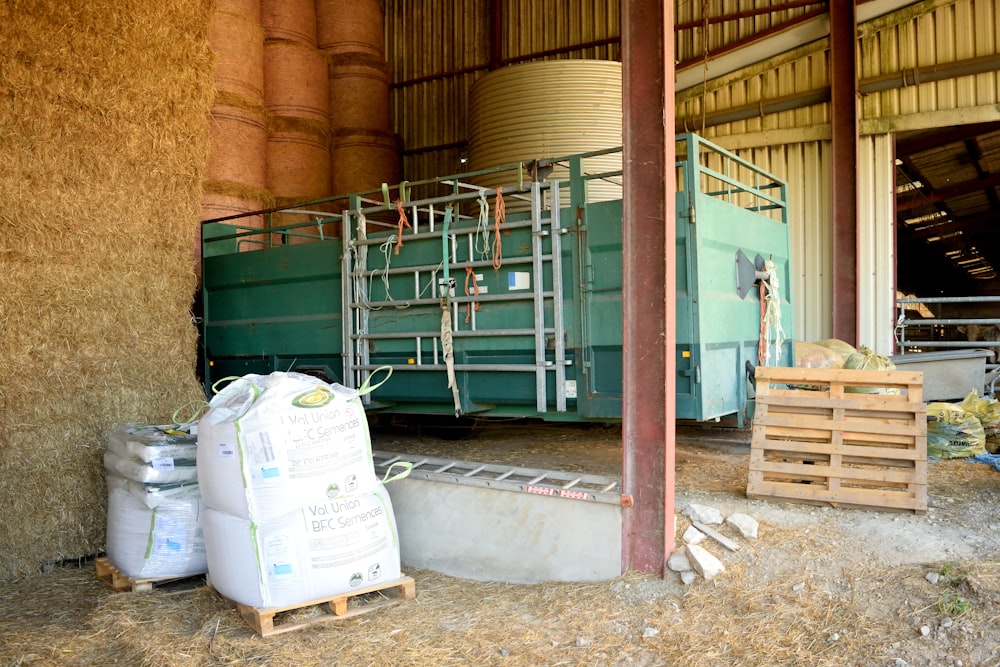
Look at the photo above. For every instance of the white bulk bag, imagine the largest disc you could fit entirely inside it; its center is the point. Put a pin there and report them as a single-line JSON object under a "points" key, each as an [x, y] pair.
{"points": [[146, 543], [271, 443], [317, 551]]}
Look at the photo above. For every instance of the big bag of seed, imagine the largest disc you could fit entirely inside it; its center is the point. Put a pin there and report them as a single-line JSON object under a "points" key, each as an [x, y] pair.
{"points": [[270, 444]]}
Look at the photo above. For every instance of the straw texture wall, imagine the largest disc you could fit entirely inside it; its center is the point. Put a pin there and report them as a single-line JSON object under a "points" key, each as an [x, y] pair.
{"points": [[103, 148]]}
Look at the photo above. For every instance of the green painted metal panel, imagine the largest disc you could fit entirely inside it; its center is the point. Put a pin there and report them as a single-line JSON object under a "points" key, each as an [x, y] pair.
{"points": [[273, 309]]}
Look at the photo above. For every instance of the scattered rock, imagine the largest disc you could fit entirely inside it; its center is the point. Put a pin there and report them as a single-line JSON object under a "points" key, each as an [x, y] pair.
{"points": [[901, 663], [583, 641], [678, 561], [933, 577], [649, 631], [703, 562], [798, 587], [925, 630], [693, 536], [835, 637], [687, 578], [702, 513], [947, 622], [746, 524]]}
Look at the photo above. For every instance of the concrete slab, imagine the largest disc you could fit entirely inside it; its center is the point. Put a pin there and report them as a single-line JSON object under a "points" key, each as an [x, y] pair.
{"points": [[498, 535]]}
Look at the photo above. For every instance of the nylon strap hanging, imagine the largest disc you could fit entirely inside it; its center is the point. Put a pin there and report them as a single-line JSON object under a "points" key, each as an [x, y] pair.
{"points": [[469, 273], [403, 222], [499, 217], [449, 354]]}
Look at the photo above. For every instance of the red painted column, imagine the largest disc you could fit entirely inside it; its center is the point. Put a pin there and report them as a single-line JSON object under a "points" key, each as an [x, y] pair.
{"points": [[844, 172], [649, 284]]}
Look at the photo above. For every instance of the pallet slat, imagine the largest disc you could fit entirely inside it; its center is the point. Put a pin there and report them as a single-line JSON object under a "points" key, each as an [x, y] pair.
{"points": [[122, 583], [266, 624], [824, 445]]}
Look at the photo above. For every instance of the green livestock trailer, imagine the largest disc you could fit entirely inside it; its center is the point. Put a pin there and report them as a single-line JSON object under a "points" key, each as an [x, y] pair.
{"points": [[502, 300]]}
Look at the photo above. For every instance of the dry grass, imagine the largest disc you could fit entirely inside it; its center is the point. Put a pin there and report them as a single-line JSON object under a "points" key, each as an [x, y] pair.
{"points": [[785, 599], [102, 151]]}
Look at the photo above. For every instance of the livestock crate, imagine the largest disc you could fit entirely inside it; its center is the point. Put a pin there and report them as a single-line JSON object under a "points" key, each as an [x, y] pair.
{"points": [[815, 442]]}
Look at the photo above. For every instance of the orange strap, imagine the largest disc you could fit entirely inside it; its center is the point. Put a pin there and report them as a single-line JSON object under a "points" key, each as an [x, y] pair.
{"points": [[403, 222], [475, 288], [499, 217]]}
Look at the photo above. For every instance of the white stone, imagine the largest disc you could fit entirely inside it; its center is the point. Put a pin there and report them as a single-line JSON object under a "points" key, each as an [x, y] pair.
{"points": [[704, 563], [925, 630], [798, 587], [702, 513], [687, 578], [678, 561], [693, 536], [747, 525], [649, 631], [933, 577]]}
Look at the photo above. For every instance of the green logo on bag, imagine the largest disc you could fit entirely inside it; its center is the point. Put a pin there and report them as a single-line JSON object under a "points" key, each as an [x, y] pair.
{"points": [[315, 398]]}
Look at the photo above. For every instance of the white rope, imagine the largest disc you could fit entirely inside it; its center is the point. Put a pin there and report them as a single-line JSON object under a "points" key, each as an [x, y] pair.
{"points": [[449, 354], [772, 314], [482, 242]]}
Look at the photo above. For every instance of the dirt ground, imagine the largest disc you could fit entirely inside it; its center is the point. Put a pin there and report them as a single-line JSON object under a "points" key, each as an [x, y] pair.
{"points": [[819, 586]]}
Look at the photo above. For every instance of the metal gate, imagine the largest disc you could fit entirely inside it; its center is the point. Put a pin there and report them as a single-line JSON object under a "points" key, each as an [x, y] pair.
{"points": [[451, 291]]}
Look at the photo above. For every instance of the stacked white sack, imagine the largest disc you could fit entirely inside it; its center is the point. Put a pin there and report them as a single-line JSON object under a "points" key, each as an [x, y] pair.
{"points": [[313, 552], [153, 543], [154, 506], [270, 444], [296, 511]]}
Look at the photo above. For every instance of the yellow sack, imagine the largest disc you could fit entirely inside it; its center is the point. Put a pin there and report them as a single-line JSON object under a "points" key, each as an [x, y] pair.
{"points": [[953, 433], [988, 412]]}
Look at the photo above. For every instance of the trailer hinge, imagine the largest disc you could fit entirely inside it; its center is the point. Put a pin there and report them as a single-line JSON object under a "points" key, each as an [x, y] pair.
{"points": [[691, 214]]}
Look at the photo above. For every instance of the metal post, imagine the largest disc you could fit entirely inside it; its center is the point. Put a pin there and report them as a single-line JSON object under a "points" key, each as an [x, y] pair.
{"points": [[649, 284], [844, 172]]}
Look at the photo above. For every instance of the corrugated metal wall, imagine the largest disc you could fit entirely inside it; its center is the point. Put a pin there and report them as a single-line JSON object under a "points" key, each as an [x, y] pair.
{"points": [[437, 48], [690, 18], [954, 31], [876, 242]]}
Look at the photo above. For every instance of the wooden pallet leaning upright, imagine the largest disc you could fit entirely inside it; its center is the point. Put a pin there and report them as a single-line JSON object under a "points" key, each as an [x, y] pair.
{"points": [[814, 442]]}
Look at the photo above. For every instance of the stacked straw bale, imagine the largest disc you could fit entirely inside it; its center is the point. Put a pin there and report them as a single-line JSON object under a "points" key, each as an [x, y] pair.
{"points": [[103, 149], [297, 100], [365, 152], [235, 180]]}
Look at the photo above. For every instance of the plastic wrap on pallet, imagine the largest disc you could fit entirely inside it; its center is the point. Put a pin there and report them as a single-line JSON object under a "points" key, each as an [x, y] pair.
{"points": [[160, 472], [152, 495], [270, 444], [154, 444], [153, 543], [320, 550]]}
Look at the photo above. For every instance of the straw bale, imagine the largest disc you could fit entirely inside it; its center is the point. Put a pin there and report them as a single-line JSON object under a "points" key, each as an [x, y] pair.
{"points": [[102, 153]]}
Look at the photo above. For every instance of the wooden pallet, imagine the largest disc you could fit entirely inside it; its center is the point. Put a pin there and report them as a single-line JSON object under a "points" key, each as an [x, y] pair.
{"points": [[333, 608], [123, 583], [826, 446]]}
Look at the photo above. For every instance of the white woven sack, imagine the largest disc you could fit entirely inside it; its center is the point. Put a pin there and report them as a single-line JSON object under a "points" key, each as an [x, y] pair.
{"points": [[146, 543], [271, 443], [317, 551]]}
